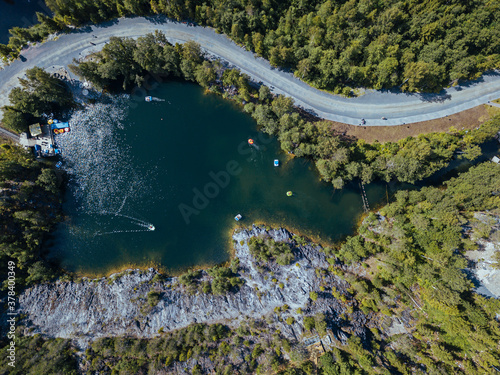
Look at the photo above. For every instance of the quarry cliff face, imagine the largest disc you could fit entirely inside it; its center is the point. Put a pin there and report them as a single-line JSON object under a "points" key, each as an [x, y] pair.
{"points": [[117, 305], [483, 268]]}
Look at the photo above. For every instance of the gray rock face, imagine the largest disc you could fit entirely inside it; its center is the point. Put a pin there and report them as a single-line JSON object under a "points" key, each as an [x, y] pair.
{"points": [[110, 307], [485, 273]]}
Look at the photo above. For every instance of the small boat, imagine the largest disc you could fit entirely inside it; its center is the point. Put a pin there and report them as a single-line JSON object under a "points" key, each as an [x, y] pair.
{"points": [[276, 163], [148, 98], [151, 227], [289, 193], [59, 164], [250, 141], [238, 217]]}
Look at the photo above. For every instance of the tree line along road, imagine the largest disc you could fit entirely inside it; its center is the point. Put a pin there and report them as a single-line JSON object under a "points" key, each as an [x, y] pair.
{"points": [[399, 108]]}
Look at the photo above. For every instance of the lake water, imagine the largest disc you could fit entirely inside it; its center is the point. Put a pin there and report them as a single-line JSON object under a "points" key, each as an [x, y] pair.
{"points": [[185, 166], [133, 163], [20, 13]]}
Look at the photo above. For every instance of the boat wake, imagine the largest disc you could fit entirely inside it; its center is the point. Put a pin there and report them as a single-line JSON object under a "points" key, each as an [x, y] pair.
{"points": [[153, 99], [133, 220], [120, 231]]}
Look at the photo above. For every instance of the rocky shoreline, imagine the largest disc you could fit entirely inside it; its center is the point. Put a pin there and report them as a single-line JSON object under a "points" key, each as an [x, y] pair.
{"points": [[116, 306]]}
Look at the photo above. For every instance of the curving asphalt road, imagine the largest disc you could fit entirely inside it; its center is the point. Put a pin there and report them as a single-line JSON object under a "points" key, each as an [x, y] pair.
{"points": [[398, 108]]}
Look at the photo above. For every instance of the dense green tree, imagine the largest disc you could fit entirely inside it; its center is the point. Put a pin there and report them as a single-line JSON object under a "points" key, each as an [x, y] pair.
{"points": [[118, 64], [282, 105], [205, 74], [16, 120], [268, 249], [26, 183], [264, 93], [148, 53], [40, 93], [422, 75]]}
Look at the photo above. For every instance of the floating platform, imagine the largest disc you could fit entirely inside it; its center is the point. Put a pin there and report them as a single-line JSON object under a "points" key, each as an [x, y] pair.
{"points": [[58, 127], [55, 124], [61, 131], [238, 217]]}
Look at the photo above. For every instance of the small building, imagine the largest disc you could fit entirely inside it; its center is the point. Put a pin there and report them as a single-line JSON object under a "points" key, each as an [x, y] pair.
{"points": [[495, 159], [41, 139], [35, 130]]}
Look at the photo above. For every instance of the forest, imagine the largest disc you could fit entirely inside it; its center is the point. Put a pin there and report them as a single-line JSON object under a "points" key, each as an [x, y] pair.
{"points": [[124, 63], [407, 261], [416, 247], [334, 45], [40, 94], [412, 250], [30, 206], [36, 355]]}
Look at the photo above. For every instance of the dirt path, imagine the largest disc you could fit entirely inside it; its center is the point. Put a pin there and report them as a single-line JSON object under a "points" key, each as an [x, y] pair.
{"points": [[4, 133]]}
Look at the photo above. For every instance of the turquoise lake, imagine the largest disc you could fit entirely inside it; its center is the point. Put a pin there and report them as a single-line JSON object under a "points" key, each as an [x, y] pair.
{"points": [[21, 13], [133, 163], [185, 166]]}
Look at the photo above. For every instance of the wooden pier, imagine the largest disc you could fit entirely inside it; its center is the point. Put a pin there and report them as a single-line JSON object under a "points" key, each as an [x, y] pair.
{"points": [[366, 206]]}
